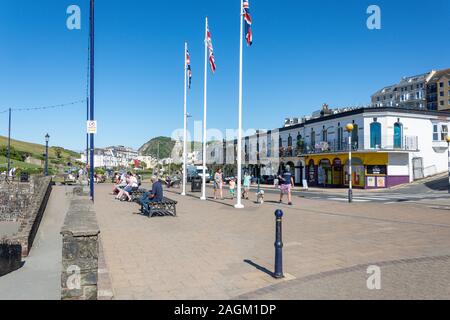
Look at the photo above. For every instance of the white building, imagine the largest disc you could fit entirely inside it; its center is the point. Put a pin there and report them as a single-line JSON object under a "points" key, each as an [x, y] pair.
{"points": [[390, 146], [112, 157]]}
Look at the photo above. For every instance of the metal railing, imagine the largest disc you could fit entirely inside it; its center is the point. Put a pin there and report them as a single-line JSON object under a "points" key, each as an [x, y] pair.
{"points": [[408, 143]]}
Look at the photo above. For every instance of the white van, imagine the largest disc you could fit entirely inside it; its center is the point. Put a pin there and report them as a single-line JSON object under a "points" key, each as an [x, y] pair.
{"points": [[200, 173]]}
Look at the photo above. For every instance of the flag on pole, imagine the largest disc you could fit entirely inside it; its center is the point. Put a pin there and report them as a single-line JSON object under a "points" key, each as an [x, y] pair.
{"points": [[212, 60], [248, 22], [189, 70]]}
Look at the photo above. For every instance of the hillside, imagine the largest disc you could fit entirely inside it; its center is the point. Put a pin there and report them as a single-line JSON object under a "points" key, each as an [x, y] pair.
{"points": [[20, 150], [38, 149], [164, 144]]}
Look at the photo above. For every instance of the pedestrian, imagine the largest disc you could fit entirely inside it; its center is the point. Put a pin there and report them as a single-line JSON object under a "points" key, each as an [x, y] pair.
{"points": [[247, 183], [218, 184], [287, 183], [232, 188]]}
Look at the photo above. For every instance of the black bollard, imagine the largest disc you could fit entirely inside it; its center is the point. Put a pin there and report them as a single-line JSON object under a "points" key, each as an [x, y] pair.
{"points": [[278, 246]]}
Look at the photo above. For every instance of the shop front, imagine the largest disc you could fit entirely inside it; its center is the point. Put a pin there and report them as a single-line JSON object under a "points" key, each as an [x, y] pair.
{"points": [[369, 170]]}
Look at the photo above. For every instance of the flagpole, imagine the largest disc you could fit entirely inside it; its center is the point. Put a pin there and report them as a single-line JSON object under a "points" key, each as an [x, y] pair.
{"points": [[185, 122], [239, 204], [204, 113]]}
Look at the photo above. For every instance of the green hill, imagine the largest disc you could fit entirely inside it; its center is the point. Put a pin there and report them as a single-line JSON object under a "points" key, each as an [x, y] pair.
{"points": [[20, 150], [164, 144]]}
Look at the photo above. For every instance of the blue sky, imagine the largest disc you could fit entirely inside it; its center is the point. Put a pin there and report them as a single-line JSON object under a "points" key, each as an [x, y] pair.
{"points": [[304, 54]]}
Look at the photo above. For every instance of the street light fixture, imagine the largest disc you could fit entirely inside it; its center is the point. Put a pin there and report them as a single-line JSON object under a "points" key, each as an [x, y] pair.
{"points": [[447, 138], [349, 127], [47, 138]]}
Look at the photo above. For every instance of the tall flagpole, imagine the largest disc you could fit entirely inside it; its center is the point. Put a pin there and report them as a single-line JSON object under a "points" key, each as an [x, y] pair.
{"points": [[204, 112], [239, 204], [185, 121]]}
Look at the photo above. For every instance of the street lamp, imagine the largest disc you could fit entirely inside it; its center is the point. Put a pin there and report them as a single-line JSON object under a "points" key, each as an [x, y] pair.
{"points": [[47, 138], [349, 129], [447, 138]]}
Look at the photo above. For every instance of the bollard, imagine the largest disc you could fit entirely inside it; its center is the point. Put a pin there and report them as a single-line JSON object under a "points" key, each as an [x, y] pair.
{"points": [[278, 246]]}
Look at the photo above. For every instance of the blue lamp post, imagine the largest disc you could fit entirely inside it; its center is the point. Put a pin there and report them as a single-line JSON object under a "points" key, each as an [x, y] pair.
{"points": [[47, 138]]}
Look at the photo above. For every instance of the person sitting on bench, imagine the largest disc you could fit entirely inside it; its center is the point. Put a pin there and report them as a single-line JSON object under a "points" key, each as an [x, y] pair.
{"points": [[156, 195]]}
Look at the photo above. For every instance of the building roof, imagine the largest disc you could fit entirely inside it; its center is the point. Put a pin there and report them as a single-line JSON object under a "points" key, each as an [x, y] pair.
{"points": [[439, 74], [368, 110]]}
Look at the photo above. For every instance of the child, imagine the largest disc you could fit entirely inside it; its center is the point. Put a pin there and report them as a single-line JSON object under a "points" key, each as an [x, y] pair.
{"points": [[232, 188]]}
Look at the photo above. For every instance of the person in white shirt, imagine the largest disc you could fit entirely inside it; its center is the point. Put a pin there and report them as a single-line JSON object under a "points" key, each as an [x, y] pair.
{"points": [[132, 183]]}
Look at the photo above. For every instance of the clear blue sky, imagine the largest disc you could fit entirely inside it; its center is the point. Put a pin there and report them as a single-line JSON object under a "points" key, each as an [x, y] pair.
{"points": [[305, 53]]}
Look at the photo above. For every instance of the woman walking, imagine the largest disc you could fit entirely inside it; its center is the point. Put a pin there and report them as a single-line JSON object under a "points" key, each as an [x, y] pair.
{"points": [[218, 184]]}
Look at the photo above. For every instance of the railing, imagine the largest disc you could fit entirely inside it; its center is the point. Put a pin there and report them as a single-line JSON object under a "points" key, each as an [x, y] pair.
{"points": [[408, 143]]}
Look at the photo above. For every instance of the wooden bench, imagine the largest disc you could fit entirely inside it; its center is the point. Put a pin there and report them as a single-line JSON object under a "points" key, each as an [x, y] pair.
{"points": [[166, 207]]}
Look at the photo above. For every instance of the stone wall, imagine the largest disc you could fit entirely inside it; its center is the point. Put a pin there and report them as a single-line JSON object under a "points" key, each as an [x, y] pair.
{"points": [[24, 203], [14, 200], [79, 276]]}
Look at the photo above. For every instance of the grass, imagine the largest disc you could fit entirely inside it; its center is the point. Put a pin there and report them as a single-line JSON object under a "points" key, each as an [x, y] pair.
{"points": [[38, 149], [17, 164]]}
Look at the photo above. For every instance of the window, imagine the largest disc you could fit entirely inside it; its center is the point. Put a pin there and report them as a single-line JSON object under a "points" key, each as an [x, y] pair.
{"points": [[444, 132], [441, 102], [398, 135], [325, 135], [441, 94], [313, 138], [340, 138], [441, 84], [435, 133], [375, 135]]}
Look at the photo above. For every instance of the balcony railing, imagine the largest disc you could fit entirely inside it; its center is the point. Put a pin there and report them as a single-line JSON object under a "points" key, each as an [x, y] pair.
{"points": [[408, 143]]}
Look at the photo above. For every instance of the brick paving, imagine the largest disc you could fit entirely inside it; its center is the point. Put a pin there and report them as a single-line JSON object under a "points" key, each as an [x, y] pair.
{"points": [[212, 251]]}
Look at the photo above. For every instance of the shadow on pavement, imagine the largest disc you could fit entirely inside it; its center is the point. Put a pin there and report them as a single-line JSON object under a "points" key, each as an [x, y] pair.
{"points": [[437, 185], [260, 268]]}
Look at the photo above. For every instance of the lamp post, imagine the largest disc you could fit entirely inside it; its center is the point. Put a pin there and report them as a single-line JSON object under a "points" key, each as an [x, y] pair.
{"points": [[349, 129], [9, 143], [448, 143], [47, 138]]}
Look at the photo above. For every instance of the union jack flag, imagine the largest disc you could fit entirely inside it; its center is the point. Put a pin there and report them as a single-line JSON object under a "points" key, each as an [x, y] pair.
{"points": [[248, 22], [189, 70], [212, 60]]}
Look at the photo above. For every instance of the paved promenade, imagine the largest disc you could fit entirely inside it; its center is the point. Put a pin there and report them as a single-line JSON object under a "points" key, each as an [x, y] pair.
{"points": [[212, 251]]}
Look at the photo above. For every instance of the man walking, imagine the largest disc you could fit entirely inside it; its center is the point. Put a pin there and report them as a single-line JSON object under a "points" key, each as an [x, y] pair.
{"points": [[287, 183]]}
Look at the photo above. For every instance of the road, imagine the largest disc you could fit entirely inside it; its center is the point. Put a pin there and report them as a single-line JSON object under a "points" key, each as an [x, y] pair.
{"points": [[429, 190]]}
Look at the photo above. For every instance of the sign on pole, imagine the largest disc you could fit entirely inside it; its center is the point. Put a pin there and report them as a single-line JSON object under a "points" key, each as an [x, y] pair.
{"points": [[92, 127]]}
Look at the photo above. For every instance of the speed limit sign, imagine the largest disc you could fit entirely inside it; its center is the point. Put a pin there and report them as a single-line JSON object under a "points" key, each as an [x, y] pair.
{"points": [[92, 127]]}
